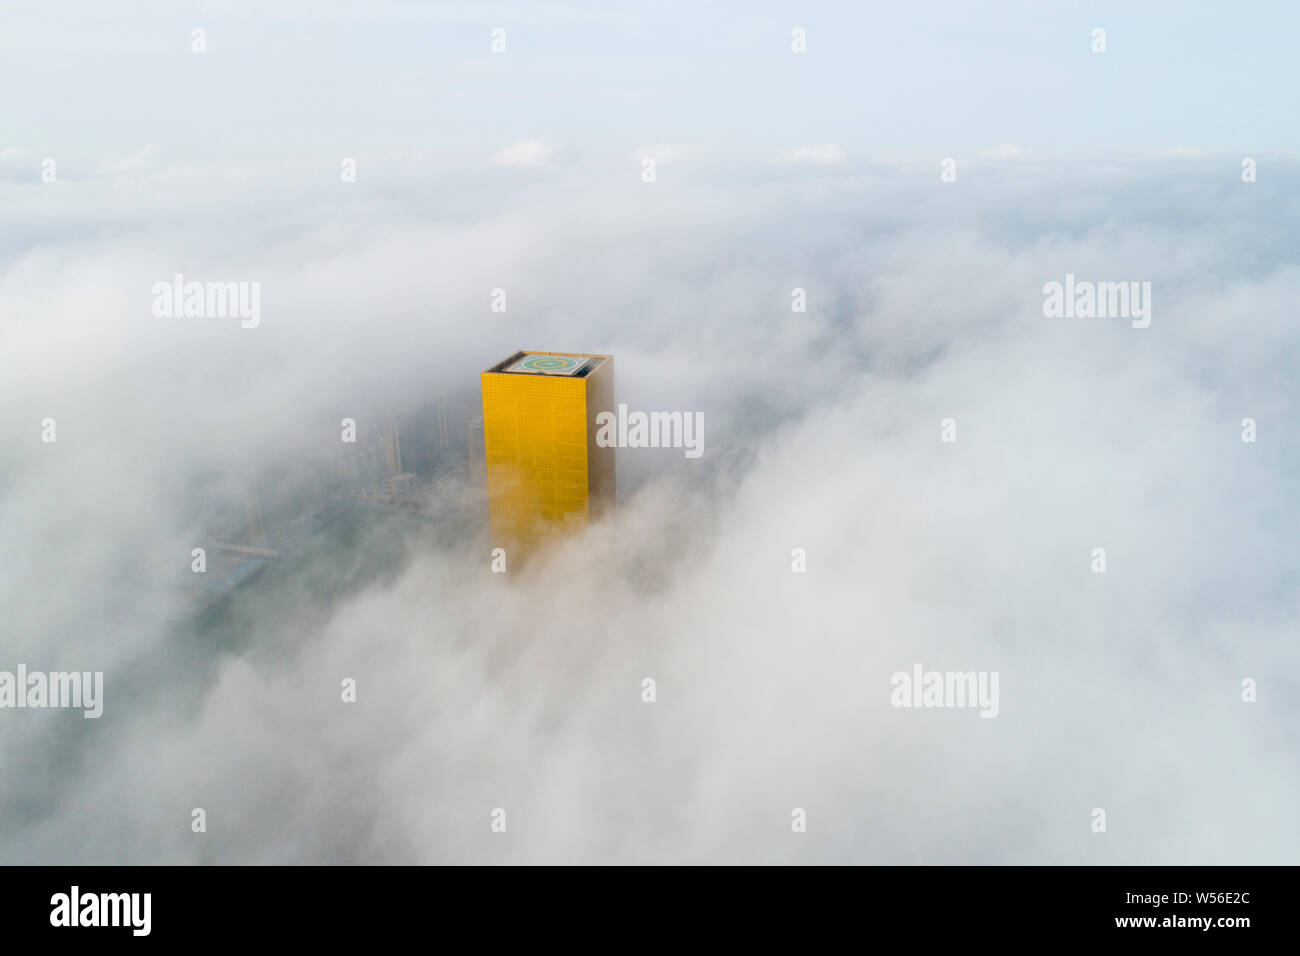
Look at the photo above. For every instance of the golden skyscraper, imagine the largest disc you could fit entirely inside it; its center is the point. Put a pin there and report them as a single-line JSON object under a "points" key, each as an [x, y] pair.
{"points": [[545, 472]]}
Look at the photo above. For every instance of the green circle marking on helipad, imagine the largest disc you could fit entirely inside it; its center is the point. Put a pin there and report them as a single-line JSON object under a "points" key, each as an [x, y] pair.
{"points": [[548, 363]]}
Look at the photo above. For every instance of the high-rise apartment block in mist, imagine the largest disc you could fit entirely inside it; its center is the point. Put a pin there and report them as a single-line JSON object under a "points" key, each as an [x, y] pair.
{"points": [[545, 472], [392, 447], [253, 511]]}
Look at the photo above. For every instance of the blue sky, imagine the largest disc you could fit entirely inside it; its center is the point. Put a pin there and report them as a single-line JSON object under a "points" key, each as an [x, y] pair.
{"points": [[877, 79]]}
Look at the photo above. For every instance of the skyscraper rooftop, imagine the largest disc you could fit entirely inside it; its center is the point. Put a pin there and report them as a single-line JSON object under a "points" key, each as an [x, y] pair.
{"points": [[575, 364]]}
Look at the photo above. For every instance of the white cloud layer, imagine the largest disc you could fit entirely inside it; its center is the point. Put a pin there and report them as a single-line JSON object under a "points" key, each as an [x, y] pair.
{"points": [[529, 154], [827, 154], [476, 691]]}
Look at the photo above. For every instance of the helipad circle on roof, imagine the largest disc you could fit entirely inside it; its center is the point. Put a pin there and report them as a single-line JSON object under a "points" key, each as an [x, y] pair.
{"points": [[555, 364]]}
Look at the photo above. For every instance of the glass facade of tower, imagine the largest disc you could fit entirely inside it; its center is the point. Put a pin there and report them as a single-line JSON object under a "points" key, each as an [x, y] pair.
{"points": [[545, 472]]}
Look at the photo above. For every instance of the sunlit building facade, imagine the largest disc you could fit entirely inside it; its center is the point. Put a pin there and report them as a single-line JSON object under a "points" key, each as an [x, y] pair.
{"points": [[545, 473]]}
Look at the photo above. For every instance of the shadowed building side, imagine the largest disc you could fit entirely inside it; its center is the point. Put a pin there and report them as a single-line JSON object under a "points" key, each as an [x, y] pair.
{"points": [[600, 461]]}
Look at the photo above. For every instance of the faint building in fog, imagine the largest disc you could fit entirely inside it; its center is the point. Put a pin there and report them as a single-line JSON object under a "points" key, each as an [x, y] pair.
{"points": [[253, 511], [392, 446]]}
